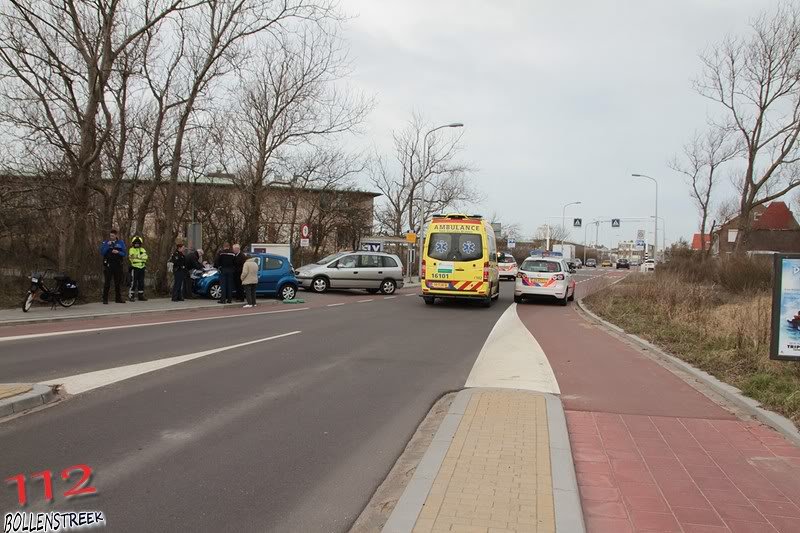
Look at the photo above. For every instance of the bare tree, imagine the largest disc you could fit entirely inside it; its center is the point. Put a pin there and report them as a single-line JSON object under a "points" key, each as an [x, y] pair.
{"points": [[446, 180], [700, 164], [756, 79], [291, 99], [57, 57], [557, 233]]}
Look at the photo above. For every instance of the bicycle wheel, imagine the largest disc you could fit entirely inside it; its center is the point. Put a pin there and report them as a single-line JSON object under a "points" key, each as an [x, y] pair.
{"points": [[28, 302]]}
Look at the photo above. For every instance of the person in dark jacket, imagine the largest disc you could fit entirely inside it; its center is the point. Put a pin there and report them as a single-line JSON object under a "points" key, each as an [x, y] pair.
{"points": [[113, 252], [179, 272], [239, 260], [194, 261], [226, 265]]}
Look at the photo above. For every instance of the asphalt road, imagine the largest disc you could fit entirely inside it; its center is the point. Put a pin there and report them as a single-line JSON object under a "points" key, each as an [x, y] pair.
{"points": [[292, 434]]}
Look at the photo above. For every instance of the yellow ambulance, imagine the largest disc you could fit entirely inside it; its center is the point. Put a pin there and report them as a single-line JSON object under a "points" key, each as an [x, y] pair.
{"points": [[459, 260]]}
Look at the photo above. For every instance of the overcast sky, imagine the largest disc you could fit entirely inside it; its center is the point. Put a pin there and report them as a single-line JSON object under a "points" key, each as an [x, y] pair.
{"points": [[561, 101]]}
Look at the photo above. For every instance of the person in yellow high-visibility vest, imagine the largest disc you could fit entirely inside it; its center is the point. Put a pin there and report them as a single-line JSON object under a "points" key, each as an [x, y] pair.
{"points": [[137, 255]]}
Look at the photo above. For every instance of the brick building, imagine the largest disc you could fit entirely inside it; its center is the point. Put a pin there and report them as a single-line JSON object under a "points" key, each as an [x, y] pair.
{"points": [[774, 229]]}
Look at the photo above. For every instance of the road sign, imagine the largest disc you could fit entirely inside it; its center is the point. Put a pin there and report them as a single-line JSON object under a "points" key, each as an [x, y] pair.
{"points": [[614, 222], [640, 235], [305, 231], [372, 246], [640, 244], [577, 222], [512, 243], [411, 237], [305, 243]]}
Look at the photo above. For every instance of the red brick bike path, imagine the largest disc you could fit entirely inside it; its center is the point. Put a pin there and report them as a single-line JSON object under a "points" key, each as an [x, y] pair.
{"points": [[651, 452]]}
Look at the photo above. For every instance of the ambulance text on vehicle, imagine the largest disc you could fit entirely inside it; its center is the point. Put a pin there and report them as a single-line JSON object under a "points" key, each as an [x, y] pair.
{"points": [[460, 259]]}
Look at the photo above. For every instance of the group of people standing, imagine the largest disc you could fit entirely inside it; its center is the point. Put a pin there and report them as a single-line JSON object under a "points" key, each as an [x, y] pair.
{"points": [[238, 273]]}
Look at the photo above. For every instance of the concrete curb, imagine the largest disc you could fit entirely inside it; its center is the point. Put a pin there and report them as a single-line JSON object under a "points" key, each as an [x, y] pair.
{"points": [[40, 394], [566, 499], [121, 314], [777, 422]]}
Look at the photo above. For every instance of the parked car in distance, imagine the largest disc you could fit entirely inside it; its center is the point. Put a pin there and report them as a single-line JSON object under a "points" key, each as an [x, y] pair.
{"points": [[648, 266], [623, 263], [606, 263], [635, 262], [507, 266], [591, 263], [372, 271], [275, 278]]}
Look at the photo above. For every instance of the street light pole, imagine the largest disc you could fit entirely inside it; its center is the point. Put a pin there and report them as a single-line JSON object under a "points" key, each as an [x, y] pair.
{"points": [[655, 219], [422, 189], [563, 221]]}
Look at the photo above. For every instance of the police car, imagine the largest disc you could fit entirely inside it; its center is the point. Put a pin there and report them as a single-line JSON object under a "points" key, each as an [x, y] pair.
{"points": [[545, 274], [507, 266]]}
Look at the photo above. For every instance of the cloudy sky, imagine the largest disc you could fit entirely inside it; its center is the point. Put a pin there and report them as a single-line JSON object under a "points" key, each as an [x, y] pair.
{"points": [[561, 101]]}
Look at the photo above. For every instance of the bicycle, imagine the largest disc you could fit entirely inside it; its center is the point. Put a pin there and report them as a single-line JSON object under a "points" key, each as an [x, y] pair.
{"points": [[64, 294]]}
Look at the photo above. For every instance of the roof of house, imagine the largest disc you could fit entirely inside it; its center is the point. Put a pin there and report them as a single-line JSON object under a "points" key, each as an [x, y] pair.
{"points": [[696, 241], [777, 216]]}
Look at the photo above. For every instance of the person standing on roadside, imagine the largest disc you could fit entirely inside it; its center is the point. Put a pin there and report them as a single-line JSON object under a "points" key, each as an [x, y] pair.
{"points": [[249, 279], [137, 255], [113, 252], [179, 272], [194, 261], [238, 260], [226, 265]]}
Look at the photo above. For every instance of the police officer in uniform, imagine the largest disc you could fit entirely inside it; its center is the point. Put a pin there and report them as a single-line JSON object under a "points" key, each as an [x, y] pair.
{"points": [[113, 252], [137, 255]]}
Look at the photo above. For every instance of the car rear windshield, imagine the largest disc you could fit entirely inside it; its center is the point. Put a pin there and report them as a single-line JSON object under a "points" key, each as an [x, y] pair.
{"points": [[538, 265], [455, 246], [508, 259]]}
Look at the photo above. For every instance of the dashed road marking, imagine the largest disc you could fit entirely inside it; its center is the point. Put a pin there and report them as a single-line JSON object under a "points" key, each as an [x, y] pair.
{"points": [[389, 297], [365, 301], [335, 305], [146, 324]]}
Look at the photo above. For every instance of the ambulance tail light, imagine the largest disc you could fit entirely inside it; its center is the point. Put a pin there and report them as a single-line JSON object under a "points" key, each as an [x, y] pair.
{"points": [[486, 271], [422, 272]]}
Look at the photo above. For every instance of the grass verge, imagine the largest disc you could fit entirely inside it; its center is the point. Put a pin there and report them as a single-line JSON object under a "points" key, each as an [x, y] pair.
{"points": [[724, 332]]}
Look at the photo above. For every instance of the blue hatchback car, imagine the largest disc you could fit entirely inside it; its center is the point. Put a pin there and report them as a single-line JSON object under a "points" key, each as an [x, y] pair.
{"points": [[275, 278]]}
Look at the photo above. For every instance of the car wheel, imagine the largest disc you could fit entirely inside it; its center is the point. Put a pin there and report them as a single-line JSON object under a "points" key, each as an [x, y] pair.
{"points": [[319, 284], [572, 296], [517, 299], [388, 286], [487, 302], [215, 291], [563, 301], [429, 300], [288, 292]]}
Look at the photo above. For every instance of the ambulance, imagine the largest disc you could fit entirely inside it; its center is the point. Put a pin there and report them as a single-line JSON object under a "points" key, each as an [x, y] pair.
{"points": [[459, 260]]}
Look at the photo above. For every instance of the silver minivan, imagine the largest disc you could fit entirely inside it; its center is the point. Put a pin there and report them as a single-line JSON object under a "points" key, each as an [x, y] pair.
{"points": [[372, 271]]}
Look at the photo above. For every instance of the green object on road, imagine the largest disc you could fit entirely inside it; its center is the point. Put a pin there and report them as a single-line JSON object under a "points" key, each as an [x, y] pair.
{"points": [[295, 301]]}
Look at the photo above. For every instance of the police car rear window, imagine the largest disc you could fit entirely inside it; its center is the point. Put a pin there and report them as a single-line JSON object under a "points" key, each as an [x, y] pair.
{"points": [[455, 246], [537, 265]]}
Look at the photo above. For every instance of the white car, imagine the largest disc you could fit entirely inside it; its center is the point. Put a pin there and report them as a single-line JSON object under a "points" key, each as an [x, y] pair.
{"points": [[545, 276], [648, 266], [507, 266]]}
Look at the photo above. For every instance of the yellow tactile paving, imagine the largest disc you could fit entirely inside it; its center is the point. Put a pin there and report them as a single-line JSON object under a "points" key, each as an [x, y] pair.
{"points": [[496, 475], [7, 391]]}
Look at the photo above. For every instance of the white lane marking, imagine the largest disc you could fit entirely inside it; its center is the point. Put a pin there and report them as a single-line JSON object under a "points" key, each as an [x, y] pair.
{"points": [[511, 358], [128, 326], [365, 301], [407, 295], [335, 305], [389, 297], [100, 378]]}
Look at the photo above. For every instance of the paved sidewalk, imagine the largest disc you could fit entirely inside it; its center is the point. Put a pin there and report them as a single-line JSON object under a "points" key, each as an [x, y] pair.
{"points": [[499, 463], [43, 313]]}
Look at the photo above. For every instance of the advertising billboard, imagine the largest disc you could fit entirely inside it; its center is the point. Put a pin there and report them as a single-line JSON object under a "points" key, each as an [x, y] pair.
{"points": [[786, 308]]}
